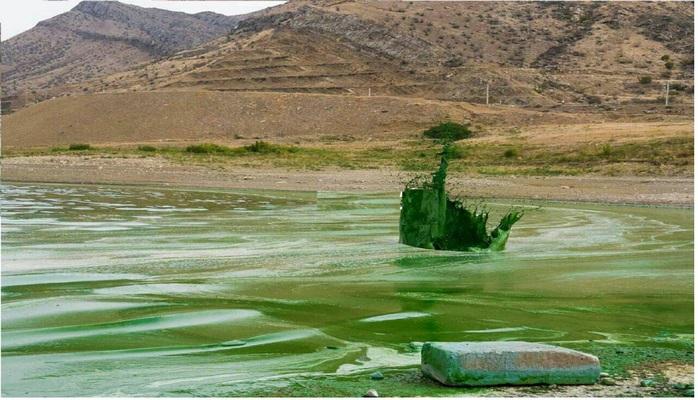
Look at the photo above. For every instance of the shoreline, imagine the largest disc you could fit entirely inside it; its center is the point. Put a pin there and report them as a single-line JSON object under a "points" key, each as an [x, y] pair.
{"points": [[155, 171]]}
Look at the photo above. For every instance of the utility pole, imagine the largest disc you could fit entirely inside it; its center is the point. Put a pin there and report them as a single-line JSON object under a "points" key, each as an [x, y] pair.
{"points": [[666, 96], [487, 94]]}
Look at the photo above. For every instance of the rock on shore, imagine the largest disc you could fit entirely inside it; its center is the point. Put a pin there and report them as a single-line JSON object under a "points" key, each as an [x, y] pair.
{"points": [[507, 363]]}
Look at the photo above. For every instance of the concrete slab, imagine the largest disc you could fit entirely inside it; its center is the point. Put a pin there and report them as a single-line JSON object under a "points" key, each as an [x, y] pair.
{"points": [[507, 363]]}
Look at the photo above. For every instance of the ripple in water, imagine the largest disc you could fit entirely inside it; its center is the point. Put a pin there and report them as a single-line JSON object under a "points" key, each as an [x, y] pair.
{"points": [[127, 291]]}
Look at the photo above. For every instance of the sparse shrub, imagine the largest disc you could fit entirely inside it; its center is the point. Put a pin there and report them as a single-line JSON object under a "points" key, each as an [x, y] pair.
{"points": [[79, 146], [645, 80], [262, 147], [593, 99], [665, 57], [146, 148], [449, 131], [511, 153], [679, 87], [206, 148], [606, 150], [669, 65], [453, 62]]}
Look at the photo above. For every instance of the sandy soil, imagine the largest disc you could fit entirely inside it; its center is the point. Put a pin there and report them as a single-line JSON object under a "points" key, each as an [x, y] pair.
{"points": [[158, 171], [677, 382], [589, 133]]}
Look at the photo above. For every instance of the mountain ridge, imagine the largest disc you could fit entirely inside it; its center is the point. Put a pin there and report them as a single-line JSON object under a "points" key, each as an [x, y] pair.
{"points": [[576, 61], [531, 54], [97, 38]]}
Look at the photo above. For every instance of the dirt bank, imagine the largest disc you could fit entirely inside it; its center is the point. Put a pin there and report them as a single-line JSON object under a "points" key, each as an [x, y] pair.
{"points": [[158, 171], [660, 379]]}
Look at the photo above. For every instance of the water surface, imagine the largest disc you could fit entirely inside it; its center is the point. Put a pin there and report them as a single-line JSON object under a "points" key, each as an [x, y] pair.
{"points": [[128, 291]]}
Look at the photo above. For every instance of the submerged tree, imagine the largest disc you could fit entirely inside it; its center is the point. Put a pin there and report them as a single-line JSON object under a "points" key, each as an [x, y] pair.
{"points": [[431, 220]]}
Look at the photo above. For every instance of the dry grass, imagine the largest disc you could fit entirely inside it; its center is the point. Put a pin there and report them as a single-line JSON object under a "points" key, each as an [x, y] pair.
{"points": [[588, 133], [656, 157]]}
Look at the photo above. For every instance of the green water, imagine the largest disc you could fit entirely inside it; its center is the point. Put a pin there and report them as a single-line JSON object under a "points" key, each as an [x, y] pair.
{"points": [[111, 290]]}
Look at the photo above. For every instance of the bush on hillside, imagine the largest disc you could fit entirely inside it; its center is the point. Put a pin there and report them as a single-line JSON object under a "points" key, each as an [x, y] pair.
{"points": [[79, 146], [448, 131], [263, 147], [511, 153], [258, 147]]}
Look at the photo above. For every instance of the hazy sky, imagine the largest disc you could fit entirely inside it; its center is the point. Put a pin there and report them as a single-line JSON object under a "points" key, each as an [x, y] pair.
{"points": [[16, 16]]}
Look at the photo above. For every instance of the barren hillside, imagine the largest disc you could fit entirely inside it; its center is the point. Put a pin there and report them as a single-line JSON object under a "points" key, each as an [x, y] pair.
{"points": [[221, 117], [97, 38], [531, 54], [367, 68]]}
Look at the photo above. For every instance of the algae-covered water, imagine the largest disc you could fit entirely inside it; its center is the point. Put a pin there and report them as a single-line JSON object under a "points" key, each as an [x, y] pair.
{"points": [[111, 290]]}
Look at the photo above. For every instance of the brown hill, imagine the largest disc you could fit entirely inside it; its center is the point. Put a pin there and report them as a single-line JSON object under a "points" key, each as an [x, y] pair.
{"points": [[97, 38], [531, 53], [278, 70]]}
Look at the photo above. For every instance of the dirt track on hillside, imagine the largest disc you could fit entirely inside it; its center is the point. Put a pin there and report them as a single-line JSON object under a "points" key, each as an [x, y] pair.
{"points": [[158, 171]]}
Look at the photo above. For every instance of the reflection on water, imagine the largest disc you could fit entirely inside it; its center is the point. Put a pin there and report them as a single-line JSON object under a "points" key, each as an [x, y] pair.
{"points": [[137, 291]]}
